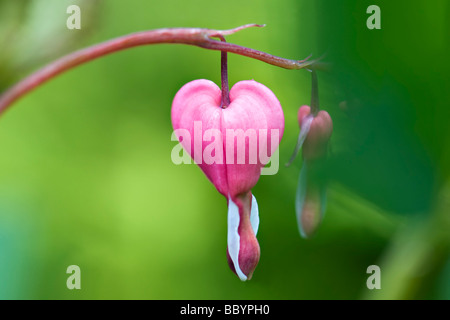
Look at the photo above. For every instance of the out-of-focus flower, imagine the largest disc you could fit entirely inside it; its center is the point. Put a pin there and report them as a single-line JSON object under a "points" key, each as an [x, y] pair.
{"points": [[315, 133]]}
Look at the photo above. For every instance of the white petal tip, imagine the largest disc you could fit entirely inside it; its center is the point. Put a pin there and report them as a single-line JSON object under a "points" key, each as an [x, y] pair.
{"points": [[254, 215], [243, 278], [233, 238]]}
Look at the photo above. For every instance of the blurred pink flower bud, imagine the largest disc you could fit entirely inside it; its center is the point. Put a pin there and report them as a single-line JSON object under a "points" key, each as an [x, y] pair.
{"points": [[254, 117], [315, 133], [319, 133], [310, 203]]}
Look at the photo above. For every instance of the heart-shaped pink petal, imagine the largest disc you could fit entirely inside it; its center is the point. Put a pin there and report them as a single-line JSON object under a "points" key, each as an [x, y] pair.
{"points": [[231, 145], [248, 130]]}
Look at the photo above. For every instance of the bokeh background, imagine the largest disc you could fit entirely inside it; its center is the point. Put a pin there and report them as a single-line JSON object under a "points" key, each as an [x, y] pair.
{"points": [[87, 179]]}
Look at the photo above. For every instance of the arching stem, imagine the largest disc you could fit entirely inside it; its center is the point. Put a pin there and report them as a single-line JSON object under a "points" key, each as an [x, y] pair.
{"points": [[189, 36]]}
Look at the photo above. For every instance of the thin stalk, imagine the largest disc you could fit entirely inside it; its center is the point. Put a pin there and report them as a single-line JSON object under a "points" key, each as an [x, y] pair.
{"points": [[314, 93], [224, 77]]}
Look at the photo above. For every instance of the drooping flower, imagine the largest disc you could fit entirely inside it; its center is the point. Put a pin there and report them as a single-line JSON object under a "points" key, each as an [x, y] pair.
{"points": [[315, 133], [228, 145], [316, 127]]}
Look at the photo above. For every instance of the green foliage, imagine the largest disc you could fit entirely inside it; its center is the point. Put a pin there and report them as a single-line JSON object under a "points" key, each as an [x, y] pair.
{"points": [[87, 176]]}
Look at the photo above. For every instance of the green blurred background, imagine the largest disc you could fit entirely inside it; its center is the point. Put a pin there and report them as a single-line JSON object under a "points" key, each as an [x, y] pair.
{"points": [[86, 176]]}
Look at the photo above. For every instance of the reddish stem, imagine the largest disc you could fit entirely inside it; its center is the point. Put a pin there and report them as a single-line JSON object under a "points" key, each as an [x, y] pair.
{"points": [[314, 93], [190, 36], [224, 76]]}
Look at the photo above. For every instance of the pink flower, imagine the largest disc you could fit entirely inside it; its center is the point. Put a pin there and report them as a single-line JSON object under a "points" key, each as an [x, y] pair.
{"points": [[315, 133], [318, 129], [225, 152]]}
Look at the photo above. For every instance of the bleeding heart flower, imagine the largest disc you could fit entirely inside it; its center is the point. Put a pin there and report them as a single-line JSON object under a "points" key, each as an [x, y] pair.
{"points": [[315, 133], [254, 115]]}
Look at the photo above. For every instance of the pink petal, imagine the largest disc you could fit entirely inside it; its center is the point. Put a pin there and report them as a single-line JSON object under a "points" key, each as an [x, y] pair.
{"points": [[199, 101], [253, 107]]}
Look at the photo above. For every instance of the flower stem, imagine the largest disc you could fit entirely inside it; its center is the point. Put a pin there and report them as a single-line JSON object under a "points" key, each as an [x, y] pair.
{"points": [[224, 77], [190, 36], [314, 93]]}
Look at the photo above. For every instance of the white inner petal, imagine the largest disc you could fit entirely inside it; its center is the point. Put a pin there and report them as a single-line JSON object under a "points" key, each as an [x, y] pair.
{"points": [[254, 215], [233, 238], [300, 197], [306, 124]]}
